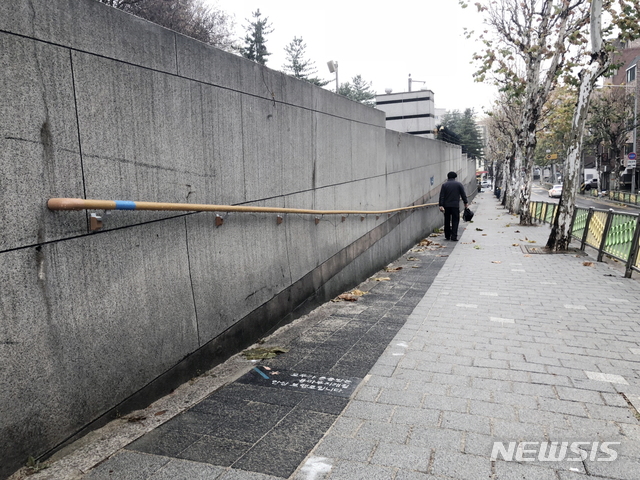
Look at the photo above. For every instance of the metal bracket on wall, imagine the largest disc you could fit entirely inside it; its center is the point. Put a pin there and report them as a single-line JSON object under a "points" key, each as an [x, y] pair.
{"points": [[95, 222], [279, 219], [219, 220]]}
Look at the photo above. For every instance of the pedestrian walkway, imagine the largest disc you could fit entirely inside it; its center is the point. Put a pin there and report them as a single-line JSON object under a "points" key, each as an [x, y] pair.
{"points": [[465, 360]]}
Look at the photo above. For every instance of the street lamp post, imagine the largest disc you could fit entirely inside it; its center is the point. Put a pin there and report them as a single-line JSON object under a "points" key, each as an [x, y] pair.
{"points": [[333, 68]]}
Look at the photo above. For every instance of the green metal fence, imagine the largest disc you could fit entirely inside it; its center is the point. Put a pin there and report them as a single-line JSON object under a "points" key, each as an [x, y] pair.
{"points": [[611, 233], [625, 197], [617, 196]]}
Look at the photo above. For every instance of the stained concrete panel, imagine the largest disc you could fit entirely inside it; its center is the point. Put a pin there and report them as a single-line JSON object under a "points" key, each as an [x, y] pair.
{"points": [[352, 196], [262, 147], [368, 147], [223, 147], [143, 144], [309, 244], [330, 103], [208, 64], [235, 268], [85, 323], [212, 66], [297, 149], [91, 26], [334, 156], [39, 156]]}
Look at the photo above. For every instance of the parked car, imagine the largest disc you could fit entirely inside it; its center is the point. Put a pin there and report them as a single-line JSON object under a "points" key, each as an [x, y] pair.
{"points": [[589, 184], [556, 191], [486, 184]]}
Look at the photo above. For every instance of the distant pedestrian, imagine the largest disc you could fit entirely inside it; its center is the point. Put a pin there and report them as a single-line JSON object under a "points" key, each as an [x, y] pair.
{"points": [[450, 194]]}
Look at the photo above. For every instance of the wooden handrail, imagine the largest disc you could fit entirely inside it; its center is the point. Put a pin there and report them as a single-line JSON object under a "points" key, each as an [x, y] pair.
{"points": [[82, 204]]}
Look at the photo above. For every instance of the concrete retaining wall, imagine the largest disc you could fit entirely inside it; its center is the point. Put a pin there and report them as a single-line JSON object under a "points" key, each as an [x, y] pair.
{"points": [[99, 104]]}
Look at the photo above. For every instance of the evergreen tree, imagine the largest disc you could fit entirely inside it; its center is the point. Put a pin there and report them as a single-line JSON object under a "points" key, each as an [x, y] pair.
{"points": [[300, 67], [255, 40], [464, 125], [359, 91]]}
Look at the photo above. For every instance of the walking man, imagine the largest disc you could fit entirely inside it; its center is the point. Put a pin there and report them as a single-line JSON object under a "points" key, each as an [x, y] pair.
{"points": [[450, 194]]}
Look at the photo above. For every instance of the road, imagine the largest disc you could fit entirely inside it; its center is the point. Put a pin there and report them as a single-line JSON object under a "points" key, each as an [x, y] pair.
{"points": [[540, 193]]}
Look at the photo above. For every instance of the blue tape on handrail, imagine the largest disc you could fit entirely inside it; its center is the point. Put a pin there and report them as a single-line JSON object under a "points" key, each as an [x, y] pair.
{"points": [[125, 205]]}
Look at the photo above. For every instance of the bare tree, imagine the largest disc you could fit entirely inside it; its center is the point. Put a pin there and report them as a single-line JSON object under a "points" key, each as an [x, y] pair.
{"points": [[526, 55], [188, 17], [611, 117], [503, 137], [624, 25]]}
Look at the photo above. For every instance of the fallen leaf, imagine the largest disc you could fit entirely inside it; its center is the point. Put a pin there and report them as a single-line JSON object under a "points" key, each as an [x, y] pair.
{"points": [[392, 269], [515, 245], [497, 261], [425, 242], [517, 231], [381, 279], [262, 353], [136, 418], [478, 229], [477, 247], [532, 241], [526, 255], [346, 298], [412, 259], [484, 234], [161, 412], [357, 293], [587, 264]]}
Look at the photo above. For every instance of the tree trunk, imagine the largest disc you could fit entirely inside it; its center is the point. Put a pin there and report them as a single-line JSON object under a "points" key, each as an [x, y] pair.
{"points": [[600, 59]]}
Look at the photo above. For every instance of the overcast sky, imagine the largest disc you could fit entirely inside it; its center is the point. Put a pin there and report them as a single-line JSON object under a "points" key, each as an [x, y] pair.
{"points": [[383, 42]]}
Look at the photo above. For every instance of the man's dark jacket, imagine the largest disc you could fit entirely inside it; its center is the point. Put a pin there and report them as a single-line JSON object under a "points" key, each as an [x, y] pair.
{"points": [[451, 193]]}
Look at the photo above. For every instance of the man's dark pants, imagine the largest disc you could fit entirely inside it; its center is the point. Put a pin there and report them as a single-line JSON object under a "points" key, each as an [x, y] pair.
{"points": [[451, 222]]}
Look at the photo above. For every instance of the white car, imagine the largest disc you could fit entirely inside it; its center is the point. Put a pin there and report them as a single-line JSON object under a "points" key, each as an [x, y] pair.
{"points": [[556, 191], [486, 184]]}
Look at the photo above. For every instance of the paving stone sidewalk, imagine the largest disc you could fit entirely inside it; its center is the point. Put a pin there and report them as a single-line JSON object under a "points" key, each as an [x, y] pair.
{"points": [[505, 346]]}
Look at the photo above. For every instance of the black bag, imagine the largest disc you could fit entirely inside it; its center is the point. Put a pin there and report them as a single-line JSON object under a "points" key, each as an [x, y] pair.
{"points": [[467, 215]]}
